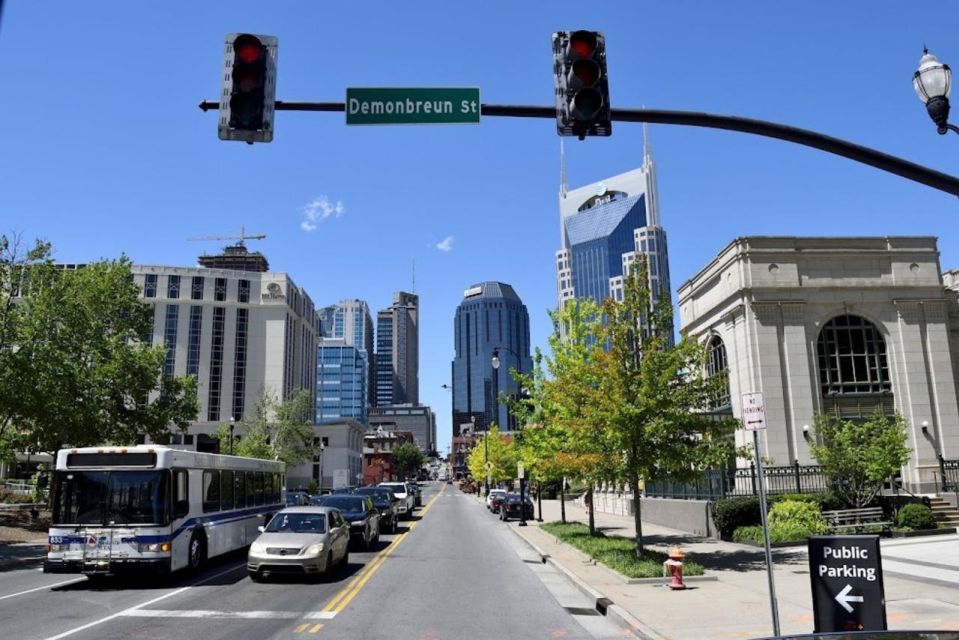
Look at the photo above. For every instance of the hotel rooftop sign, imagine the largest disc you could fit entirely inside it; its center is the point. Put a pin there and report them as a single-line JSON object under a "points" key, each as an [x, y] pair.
{"points": [[369, 105]]}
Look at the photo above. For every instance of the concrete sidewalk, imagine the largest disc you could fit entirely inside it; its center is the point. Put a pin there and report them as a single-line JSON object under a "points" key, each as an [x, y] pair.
{"points": [[736, 605]]}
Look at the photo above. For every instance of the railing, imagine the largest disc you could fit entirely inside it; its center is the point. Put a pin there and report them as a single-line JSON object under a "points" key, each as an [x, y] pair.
{"points": [[949, 474], [715, 484]]}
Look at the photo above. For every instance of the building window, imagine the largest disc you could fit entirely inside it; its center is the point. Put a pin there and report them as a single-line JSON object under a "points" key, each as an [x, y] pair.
{"points": [[243, 291], [239, 364], [196, 288], [219, 289], [718, 365], [169, 338], [173, 287], [150, 286], [216, 364], [193, 346], [852, 358]]}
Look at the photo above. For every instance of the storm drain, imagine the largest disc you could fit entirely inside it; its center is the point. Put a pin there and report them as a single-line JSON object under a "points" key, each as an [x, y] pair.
{"points": [[581, 611]]}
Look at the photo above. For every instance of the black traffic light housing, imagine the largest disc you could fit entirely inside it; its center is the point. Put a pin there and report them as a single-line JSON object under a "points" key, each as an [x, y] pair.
{"points": [[249, 88], [581, 84]]}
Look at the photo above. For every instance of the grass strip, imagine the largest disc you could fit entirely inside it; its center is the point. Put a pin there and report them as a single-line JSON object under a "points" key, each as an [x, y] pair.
{"points": [[616, 552]]}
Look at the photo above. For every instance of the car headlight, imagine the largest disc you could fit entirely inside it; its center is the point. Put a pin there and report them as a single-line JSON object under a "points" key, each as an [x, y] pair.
{"points": [[258, 548], [314, 549]]}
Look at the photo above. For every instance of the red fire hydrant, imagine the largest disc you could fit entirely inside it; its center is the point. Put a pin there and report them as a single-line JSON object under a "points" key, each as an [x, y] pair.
{"points": [[674, 566]]}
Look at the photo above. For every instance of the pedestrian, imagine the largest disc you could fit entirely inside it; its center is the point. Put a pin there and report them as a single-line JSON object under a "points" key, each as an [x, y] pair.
{"points": [[586, 501]]}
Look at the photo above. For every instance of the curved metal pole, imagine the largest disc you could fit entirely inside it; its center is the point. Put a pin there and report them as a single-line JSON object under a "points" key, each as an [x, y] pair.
{"points": [[865, 155], [948, 127]]}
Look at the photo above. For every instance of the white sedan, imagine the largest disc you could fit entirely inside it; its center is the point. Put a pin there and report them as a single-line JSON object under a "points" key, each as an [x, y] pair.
{"points": [[492, 494]]}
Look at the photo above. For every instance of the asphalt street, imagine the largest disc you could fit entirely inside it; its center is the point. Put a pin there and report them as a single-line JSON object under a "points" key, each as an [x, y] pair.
{"points": [[453, 571]]}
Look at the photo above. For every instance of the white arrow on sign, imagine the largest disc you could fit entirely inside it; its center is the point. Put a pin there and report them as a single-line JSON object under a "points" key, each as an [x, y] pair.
{"points": [[844, 598]]}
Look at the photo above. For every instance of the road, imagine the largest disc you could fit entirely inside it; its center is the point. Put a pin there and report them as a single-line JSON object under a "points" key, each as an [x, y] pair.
{"points": [[454, 571]]}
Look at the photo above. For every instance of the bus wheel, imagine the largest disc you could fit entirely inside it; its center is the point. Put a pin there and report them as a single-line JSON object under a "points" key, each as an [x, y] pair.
{"points": [[197, 551]]}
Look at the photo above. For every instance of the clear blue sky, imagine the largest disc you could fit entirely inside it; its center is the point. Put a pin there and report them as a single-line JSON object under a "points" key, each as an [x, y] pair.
{"points": [[105, 152]]}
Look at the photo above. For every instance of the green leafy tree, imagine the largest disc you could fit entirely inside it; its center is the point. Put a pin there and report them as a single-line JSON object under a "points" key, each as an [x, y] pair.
{"points": [[74, 367], [653, 395], [859, 455], [277, 430], [499, 450], [407, 458]]}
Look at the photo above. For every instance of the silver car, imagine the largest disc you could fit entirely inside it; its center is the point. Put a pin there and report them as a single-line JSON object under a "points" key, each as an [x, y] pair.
{"points": [[308, 541]]}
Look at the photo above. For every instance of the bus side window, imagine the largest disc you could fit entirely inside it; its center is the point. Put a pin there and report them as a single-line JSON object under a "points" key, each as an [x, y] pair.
{"points": [[258, 488], [226, 489], [211, 491], [250, 482], [276, 487], [239, 490], [181, 495]]}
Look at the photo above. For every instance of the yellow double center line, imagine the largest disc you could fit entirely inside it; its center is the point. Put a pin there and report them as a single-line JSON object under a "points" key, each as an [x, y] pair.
{"points": [[353, 587]]}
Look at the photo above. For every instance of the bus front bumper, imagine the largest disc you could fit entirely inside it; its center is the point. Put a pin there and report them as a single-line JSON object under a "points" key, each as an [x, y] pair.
{"points": [[116, 566]]}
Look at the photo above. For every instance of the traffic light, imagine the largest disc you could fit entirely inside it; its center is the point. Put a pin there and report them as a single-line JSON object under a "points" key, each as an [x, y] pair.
{"points": [[582, 88], [249, 88]]}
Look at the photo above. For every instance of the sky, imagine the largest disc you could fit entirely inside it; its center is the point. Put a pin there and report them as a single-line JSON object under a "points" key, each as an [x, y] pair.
{"points": [[104, 151]]}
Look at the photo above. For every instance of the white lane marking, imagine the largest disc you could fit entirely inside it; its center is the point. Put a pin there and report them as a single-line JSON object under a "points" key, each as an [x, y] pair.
{"points": [[46, 586], [144, 604], [199, 613], [320, 615]]}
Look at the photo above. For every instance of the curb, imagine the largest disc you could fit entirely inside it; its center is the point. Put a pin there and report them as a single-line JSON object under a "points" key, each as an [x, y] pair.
{"points": [[601, 603], [664, 580]]}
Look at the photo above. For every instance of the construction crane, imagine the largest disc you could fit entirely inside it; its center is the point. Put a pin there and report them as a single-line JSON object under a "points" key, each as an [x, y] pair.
{"points": [[240, 238]]}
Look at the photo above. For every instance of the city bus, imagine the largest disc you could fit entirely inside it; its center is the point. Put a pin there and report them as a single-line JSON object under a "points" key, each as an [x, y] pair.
{"points": [[155, 509]]}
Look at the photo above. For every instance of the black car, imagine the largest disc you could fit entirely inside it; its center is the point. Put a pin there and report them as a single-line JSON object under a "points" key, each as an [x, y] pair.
{"points": [[359, 511], [509, 507], [385, 503]]}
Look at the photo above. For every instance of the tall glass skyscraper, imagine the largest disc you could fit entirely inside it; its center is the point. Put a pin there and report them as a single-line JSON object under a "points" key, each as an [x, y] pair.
{"points": [[342, 377], [490, 318], [350, 320], [604, 227], [398, 351]]}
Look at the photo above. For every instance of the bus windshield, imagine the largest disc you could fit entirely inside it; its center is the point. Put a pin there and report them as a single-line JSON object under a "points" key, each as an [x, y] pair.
{"points": [[111, 497]]}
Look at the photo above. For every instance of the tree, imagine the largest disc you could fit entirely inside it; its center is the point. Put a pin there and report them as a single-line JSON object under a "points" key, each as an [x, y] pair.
{"points": [[858, 455], [74, 366], [407, 458], [653, 396], [277, 431], [499, 450]]}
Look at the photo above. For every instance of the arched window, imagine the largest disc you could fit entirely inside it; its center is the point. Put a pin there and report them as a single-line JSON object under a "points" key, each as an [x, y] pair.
{"points": [[717, 364], [853, 367]]}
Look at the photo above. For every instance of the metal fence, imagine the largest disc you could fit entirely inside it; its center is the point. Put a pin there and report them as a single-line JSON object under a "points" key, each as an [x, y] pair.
{"points": [[717, 484], [949, 474]]}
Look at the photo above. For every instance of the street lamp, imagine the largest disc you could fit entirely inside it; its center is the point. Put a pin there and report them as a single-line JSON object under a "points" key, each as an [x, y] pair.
{"points": [[932, 82], [232, 426]]}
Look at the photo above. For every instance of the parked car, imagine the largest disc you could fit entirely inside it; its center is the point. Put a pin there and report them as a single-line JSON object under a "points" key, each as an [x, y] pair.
{"points": [[385, 502], [509, 507], [417, 493], [301, 541], [494, 493], [401, 491], [359, 511], [297, 498]]}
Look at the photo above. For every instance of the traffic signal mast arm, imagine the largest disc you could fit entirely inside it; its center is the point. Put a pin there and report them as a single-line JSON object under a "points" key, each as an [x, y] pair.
{"points": [[865, 155]]}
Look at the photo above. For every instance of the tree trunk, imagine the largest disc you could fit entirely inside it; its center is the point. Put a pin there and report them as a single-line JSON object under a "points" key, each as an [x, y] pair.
{"points": [[637, 515], [591, 510], [562, 501]]}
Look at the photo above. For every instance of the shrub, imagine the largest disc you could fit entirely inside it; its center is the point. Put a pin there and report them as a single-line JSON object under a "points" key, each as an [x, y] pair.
{"points": [[732, 513], [749, 533], [917, 516], [9, 497], [794, 515]]}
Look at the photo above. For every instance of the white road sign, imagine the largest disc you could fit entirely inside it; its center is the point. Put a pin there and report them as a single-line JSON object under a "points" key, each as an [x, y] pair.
{"points": [[754, 411]]}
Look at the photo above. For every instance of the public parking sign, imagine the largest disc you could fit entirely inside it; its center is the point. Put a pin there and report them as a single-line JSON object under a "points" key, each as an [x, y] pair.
{"points": [[847, 590]]}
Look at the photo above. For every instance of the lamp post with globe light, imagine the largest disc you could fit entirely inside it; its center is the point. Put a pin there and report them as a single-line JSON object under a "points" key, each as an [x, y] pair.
{"points": [[932, 82]]}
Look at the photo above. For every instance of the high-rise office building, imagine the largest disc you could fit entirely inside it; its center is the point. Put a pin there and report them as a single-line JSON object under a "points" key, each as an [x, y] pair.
{"points": [[342, 377], [604, 227], [398, 351], [491, 318], [350, 320]]}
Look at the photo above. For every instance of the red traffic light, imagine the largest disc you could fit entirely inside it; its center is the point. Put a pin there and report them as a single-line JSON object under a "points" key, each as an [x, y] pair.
{"points": [[582, 43], [248, 49]]}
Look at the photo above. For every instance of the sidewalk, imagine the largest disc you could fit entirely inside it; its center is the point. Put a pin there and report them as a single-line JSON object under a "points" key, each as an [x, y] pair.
{"points": [[736, 605]]}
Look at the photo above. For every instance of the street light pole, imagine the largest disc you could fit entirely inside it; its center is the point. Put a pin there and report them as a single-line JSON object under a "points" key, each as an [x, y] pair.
{"points": [[932, 82], [232, 426]]}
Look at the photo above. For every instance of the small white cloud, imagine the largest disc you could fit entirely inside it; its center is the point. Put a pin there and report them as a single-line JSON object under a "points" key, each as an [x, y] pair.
{"points": [[319, 209], [446, 244]]}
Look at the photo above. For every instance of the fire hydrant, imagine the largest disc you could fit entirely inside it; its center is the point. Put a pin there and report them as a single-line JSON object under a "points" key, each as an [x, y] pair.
{"points": [[674, 566]]}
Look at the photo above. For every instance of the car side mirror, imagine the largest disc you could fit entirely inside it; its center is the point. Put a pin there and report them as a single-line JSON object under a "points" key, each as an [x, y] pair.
{"points": [[181, 508], [261, 528]]}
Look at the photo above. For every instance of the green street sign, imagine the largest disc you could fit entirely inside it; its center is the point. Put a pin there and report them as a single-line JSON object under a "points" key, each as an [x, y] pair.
{"points": [[378, 105]]}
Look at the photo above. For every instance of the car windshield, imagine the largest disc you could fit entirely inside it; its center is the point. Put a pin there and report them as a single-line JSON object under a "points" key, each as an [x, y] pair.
{"points": [[343, 503], [111, 497], [395, 488], [297, 522]]}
